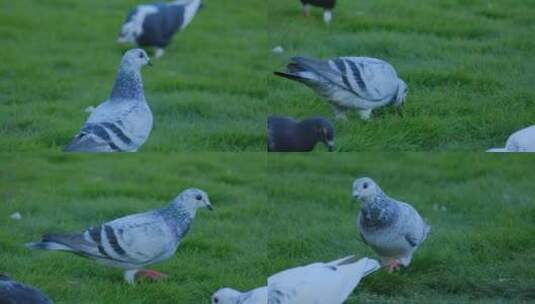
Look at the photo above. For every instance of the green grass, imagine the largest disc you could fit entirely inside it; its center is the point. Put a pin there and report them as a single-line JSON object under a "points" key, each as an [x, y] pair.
{"points": [[53, 193], [60, 56], [481, 208], [468, 65]]}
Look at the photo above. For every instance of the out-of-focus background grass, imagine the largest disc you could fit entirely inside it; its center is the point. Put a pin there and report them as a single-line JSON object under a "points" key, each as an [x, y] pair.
{"points": [[53, 193], [58, 57], [469, 66], [481, 208]]}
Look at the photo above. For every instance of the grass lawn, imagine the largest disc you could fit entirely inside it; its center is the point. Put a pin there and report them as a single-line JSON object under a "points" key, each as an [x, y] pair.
{"points": [[225, 247], [469, 66], [58, 57], [481, 208]]}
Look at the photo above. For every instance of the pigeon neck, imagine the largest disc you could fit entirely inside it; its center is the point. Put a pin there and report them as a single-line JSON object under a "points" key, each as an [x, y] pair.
{"points": [[179, 218], [378, 211], [306, 132], [128, 85]]}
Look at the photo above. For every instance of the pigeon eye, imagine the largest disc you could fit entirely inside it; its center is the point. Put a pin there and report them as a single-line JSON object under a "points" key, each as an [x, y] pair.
{"points": [[199, 197], [141, 55], [365, 186], [216, 300]]}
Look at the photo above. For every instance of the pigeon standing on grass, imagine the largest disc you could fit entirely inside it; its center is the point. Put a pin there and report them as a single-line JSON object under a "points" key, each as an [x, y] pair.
{"points": [[134, 241], [521, 141], [124, 121], [12, 292], [232, 296], [358, 83], [288, 135], [327, 5], [321, 283], [154, 25], [393, 229]]}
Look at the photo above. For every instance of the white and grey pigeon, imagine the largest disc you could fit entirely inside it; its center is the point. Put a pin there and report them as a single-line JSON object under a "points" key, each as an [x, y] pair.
{"points": [[124, 121], [12, 292], [359, 83], [134, 241], [154, 25], [233, 296], [319, 283], [393, 229], [520, 141], [327, 5]]}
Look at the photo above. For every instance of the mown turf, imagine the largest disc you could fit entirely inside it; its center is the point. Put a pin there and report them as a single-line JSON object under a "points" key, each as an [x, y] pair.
{"points": [[468, 65], [58, 57], [481, 208], [225, 247]]}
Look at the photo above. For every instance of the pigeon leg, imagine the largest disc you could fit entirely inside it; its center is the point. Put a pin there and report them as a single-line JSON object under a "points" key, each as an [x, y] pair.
{"points": [[130, 276], [393, 265], [339, 113], [159, 53], [365, 114], [327, 16], [306, 10], [152, 274]]}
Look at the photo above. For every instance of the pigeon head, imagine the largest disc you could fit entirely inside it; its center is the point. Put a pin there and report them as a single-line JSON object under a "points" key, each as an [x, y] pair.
{"points": [[365, 189], [323, 130], [225, 296], [4, 277], [135, 59], [193, 199], [401, 94]]}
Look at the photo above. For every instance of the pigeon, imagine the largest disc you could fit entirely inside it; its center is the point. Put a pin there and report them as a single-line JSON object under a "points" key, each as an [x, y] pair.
{"points": [[232, 296], [358, 83], [521, 141], [288, 135], [134, 241], [12, 292], [393, 229], [124, 121], [318, 283], [154, 25], [327, 5]]}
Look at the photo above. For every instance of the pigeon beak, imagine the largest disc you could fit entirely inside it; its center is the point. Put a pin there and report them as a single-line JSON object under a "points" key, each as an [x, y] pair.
{"points": [[356, 195], [209, 207], [149, 62], [330, 146]]}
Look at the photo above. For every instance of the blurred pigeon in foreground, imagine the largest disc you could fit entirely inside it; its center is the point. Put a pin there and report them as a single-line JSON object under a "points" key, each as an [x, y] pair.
{"points": [[393, 229], [232, 296], [12, 292], [134, 241], [124, 121], [288, 135], [154, 25], [358, 83], [327, 5], [321, 283], [521, 141]]}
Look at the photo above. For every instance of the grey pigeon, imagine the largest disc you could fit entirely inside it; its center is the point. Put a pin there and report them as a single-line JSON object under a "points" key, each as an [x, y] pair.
{"points": [[288, 135], [358, 83], [134, 241], [232, 296], [520, 141], [12, 292], [327, 5], [319, 283], [154, 25], [124, 121], [393, 229]]}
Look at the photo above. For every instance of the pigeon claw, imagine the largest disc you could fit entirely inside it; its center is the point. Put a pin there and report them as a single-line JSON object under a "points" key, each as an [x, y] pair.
{"points": [[152, 275], [393, 265]]}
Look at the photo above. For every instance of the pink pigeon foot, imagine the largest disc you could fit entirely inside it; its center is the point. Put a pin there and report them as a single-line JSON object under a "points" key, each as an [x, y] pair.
{"points": [[393, 265], [152, 275]]}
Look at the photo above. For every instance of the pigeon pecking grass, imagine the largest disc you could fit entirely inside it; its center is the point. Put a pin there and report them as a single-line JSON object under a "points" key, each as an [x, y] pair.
{"points": [[12, 292], [124, 121], [393, 229], [359, 83], [288, 135], [134, 241]]}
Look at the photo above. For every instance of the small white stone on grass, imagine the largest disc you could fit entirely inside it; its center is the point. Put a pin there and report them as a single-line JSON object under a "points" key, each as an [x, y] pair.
{"points": [[16, 216], [278, 50]]}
